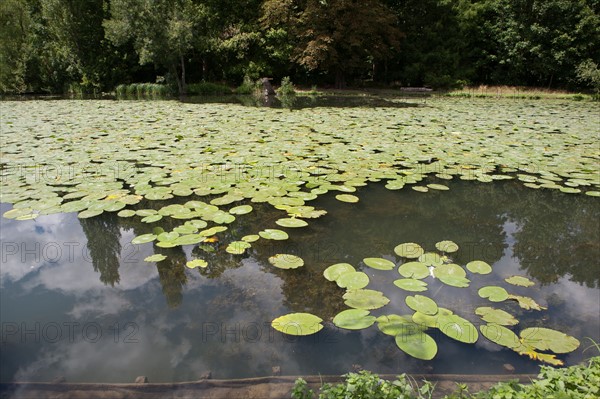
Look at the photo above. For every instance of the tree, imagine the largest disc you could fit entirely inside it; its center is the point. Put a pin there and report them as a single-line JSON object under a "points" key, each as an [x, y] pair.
{"points": [[161, 31], [15, 45], [339, 37]]}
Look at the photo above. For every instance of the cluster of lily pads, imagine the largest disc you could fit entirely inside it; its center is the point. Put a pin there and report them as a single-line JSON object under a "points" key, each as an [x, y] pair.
{"points": [[411, 330]]}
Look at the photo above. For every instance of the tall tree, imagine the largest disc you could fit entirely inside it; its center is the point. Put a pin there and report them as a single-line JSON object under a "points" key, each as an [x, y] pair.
{"points": [[340, 37], [161, 31], [15, 45]]}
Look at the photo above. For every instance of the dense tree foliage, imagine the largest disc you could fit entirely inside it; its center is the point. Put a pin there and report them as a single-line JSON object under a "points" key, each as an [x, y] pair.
{"points": [[94, 45]]}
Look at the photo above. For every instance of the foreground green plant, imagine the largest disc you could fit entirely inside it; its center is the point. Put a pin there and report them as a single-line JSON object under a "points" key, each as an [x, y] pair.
{"points": [[366, 385]]}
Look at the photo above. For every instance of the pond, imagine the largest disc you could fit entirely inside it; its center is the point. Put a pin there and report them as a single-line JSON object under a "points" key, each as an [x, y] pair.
{"points": [[82, 179]]}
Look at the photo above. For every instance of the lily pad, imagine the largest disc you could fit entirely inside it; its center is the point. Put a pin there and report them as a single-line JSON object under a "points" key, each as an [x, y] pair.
{"points": [[458, 328], [273, 234], [155, 258], [347, 198], [237, 247], [500, 335], [416, 270], [438, 187], [365, 299], [421, 303], [526, 302], [251, 238], [241, 210], [547, 339], [479, 267], [496, 316], [85, 214], [354, 319], [493, 293], [189, 239], [126, 213], [409, 250], [352, 280], [144, 238], [333, 272], [431, 259], [520, 281], [419, 345], [192, 264], [447, 246], [379, 263], [411, 284], [291, 222], [298, 324], [286, 261]]}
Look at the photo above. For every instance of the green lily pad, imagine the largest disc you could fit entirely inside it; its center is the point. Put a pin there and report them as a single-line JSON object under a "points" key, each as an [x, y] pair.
{"points": [[409, 250], [185, 229], [493, 293], [411, 284], [431, 259], [333, 272], [420, 189], [241, 210], [354, 319], [419, 345], [496, 316], [394, 324], [273, 234], [192, 264], [520, 281], [438, 187], [126, 213], [479, 267], [416, 270], [286, 261], [352, 280], [155, 258], [167, 236], [151, 218], [500, 335], [547, 339], [452, 274], [365, 299], [88, 214], [144, 238], [526, 302], [447, 246], [379, 263], [291, 222], [237, 247], [347, 198], [423, 304], [189, 239], [298, 324], [251, 238], [458, 328], [430, 321]]}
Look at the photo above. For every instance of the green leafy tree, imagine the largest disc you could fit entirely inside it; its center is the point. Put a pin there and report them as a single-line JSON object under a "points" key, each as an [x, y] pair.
{"points": [[15, 45], [340, 37]]}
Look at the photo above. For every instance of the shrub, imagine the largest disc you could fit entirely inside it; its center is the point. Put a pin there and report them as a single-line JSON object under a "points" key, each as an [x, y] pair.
{"points": [[286, 88], [248, 86]]}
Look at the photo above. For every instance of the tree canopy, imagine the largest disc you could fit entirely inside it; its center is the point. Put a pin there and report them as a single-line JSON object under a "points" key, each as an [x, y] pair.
{"points": [[94, 45]]}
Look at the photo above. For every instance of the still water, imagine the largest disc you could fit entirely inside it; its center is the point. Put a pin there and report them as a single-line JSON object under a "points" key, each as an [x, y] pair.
{"points": [[78, 301]]}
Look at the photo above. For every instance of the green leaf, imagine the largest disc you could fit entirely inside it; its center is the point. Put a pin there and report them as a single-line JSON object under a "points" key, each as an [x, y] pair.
{"points": [[347, 198], [379, 263], [144, 238], [286, 261], [273, 234], [545, 339], [291, 222], [298, 324], [420, 345], [409, 250], [196, 263], [354, 319], [500, 335], [496, 316], [479, 266], [421, 303], [520, 281], [155, 258], [446, 246], [493, 293], [352, 280], [334, 271], [410, 284], [365, 299], [415, 270]]}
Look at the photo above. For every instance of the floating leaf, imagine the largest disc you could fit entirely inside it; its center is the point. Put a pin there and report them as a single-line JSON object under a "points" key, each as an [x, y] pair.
{"points": [[452, 274], [144, 238], [379, 263], [126, 213], [410, 284], [496, 316], [291, 222], [425, 320], [196, 263], [415, 270], [347, 198], [241, 210], [189, 239], [286, 261], [479, 266], [85, 214], [352, 280], [520, 281], [458, 328], [237, 247], [155, 258], [447, 246], [334, 271], [500, 335], [251, 238], [167, 236], [273, 234], [365, 299], [547, 339], [421, 303], [298, 324], [419, 345], [493, 293], [438, 187], [409, 250], [394, 324], [354, 319], [526, 302], [431, 259]]}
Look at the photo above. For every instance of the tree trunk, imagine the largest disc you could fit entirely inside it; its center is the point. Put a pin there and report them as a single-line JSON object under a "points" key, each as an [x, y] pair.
{"points": [[183, 84], [204, 69], [340, 82], [176, 74]]}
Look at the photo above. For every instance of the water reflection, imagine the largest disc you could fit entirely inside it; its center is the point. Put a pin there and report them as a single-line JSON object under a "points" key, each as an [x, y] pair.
{"points": [[172, 324]]}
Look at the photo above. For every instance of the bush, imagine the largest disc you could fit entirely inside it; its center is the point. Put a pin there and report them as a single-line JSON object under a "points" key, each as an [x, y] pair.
{"points": [[589, 73], [142, 90], [207, 89], [248, 86], [286, 88]]}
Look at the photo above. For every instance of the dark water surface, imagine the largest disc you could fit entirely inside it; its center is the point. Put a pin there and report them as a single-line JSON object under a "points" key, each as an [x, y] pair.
{"points": [[77, 299]]}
